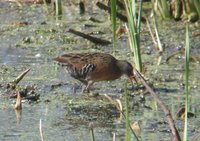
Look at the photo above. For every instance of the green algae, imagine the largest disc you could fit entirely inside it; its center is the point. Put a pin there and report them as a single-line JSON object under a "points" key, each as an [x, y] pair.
{"points": [[66, 115]]}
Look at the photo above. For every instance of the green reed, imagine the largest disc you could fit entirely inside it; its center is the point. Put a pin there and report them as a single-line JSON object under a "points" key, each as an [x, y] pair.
{"points": [[163, 8], [58, 8], [133, 30], [113, 20], [197, 6], [128, 133], [129, 129], [91, 127], [187, 63], [178, 9]]}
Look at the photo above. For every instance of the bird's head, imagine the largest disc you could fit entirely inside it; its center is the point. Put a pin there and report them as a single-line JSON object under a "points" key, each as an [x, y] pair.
{"points": [[127, 69]]}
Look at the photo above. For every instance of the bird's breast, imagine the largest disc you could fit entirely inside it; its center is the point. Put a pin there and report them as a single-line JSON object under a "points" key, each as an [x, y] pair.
{"points": [[104, 73]]}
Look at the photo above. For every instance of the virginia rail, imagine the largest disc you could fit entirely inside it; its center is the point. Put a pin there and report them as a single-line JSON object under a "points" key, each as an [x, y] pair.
{"points": [[93, 67]]}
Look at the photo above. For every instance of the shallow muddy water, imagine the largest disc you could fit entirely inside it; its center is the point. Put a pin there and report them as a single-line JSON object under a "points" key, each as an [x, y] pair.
{"points": [[30, 37]]}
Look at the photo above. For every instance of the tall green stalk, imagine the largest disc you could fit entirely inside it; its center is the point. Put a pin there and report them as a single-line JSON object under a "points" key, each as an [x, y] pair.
{"points": [[187, 62], [164, 10], [113, 19], [128, 133], [139, 17], [197, 6], [58, 8], [134, 31]]}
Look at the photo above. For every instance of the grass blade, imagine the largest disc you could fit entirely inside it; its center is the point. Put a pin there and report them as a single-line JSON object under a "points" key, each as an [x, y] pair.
{"points": [[58, 9], [128, 134], [187, 62], [133, 32], [113, 19]]}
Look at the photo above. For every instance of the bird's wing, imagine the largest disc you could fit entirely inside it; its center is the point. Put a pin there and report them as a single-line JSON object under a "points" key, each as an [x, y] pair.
{"points": [[78, 65]]}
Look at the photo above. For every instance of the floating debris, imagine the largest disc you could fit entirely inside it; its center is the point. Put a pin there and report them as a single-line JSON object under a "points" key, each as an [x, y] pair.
{"points": [[90, 38]]}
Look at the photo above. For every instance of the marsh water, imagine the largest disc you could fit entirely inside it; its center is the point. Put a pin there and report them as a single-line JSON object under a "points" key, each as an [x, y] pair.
{"points": [[31, 36]]}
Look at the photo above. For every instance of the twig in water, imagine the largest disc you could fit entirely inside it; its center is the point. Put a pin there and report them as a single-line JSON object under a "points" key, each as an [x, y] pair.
{"points": [[18, 104], [21, 76], [175, 133], [90, 38]]}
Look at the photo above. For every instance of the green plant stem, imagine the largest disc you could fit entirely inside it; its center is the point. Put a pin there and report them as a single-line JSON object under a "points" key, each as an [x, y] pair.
{"points": [[133, 33], [113, 19], [93, 138], [128, 135], [139, 17], [165, 9], [58, 8], [187, 62], [197, 6]]}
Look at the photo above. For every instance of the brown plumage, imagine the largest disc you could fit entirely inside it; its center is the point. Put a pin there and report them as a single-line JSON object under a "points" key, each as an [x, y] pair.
{"points": [[93, 67]]}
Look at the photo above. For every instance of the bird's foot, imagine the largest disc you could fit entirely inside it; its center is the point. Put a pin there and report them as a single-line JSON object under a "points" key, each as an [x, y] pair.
{"points": [[75, 87], [85, 90]]}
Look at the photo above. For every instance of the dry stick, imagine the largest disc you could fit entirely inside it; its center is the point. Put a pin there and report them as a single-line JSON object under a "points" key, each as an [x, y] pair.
{"points": [[175, 133], [41, 133], [18, 104], [21, 76], [151, 33], [18, 114], [90, 38], [18, 108]]}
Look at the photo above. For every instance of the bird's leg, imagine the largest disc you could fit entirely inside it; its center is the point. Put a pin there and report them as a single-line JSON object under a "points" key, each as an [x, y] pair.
{"points": [[74, 88], [86, 88], [133, 80]]}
